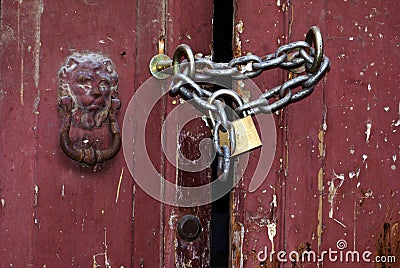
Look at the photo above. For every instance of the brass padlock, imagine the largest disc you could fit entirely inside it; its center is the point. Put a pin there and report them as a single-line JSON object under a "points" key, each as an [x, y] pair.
{"points": [[246, 134]]}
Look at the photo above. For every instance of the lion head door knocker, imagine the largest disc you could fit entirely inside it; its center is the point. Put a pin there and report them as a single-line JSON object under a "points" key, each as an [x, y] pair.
{"points": [[88, 89]]}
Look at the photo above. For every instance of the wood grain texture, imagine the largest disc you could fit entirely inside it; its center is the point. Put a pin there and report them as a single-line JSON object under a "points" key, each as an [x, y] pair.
{"points": [[188, 22], [259, 28], [18, 134], [55, 212], [79, 221], [340, 146]]}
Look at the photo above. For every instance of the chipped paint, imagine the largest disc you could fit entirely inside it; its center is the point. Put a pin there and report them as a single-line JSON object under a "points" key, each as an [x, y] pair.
{"points": [[21, 90], [103, 254], [271, 234], [321, 145], [2, 94], [340, 223], [274, 203], [35, 109], [204, 118], [398, 121], [3, 202], [35, 195], [36, 52], [21, 50], [172, 219], [355, 173], [238, 233], [320, 207], [368, 194], [62, 191], [321, 137], [239, 28], [333, 189], [119, 185], [352, 150], [368, 131]]}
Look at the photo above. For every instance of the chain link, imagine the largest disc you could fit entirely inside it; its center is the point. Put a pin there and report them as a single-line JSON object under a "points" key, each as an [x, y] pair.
{"points": [[308, 64]]}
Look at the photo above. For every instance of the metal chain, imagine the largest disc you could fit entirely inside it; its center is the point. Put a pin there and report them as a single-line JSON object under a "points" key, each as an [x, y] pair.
{"points": [[308, 63]]}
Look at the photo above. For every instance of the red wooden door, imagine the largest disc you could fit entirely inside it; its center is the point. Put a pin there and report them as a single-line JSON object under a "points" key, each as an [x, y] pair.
{"points": [[335, 174], [334, 177], [56, 212]]}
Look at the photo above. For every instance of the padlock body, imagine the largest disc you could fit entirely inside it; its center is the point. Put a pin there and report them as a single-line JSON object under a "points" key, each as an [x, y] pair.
{"points": [[247, 137]]}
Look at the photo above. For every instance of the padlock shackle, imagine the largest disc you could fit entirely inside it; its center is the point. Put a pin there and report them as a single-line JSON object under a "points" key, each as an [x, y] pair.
{"points": [[221, 92]]}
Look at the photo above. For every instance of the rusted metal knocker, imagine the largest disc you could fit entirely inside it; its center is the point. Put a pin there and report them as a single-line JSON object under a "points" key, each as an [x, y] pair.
{"points": [[88, 87]]}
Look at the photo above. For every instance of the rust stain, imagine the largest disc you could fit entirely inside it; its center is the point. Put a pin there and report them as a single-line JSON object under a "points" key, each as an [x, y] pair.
{"points": [[236, 240], [303, 247], [321, 144], [269, 264], [238, 85], [291, 20], [388, 244], [237, 45], [237, 245]]}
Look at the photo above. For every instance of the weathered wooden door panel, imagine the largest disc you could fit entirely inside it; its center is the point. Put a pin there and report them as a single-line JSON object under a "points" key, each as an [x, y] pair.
{"points": [[73, 216], [334, 177], [363, 114], [252, 212], [147, 232], [69, 214], [193, 26], [16, 106], [156, 242], [338, 148]]}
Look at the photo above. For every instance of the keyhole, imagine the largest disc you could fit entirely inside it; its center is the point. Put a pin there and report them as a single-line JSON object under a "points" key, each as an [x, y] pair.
{"points": [[189, 227]]}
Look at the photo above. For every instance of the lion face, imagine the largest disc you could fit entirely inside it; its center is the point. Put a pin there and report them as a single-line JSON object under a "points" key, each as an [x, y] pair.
{"points": [[91, 82]]}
